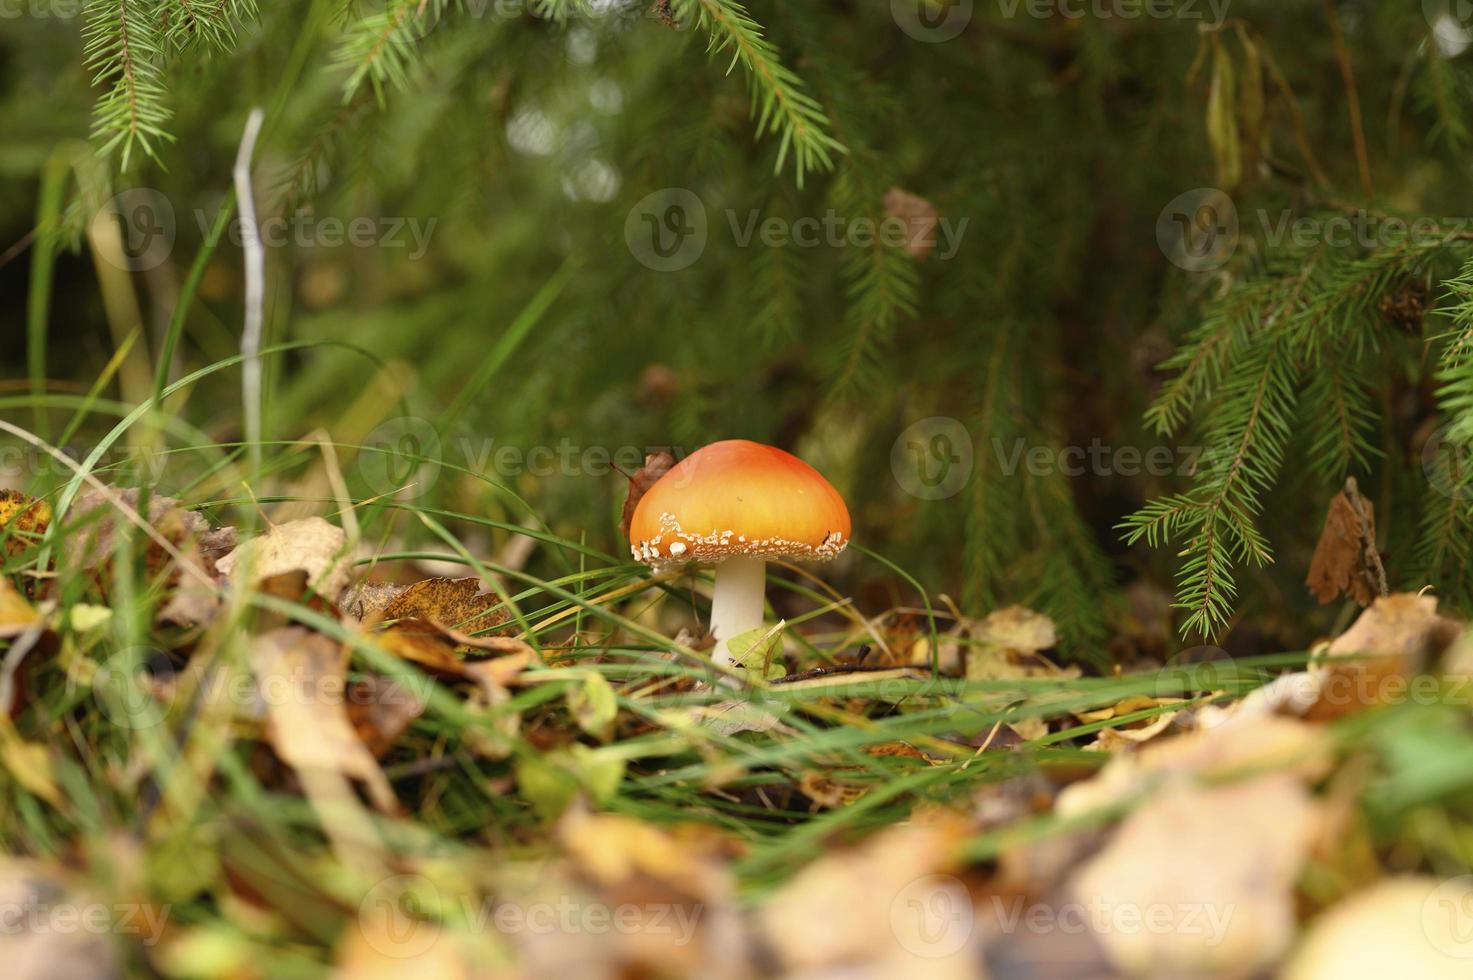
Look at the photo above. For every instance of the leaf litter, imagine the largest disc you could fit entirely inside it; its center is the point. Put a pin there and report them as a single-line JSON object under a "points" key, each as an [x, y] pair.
{"points": [[1184, 821]]}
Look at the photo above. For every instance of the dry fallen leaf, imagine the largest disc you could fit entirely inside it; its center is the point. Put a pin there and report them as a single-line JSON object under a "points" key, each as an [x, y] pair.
{"points": [[655, 466], [675, 881], [1006, 646], [93, 523], [1402, 927], [380, 710], [1346, 560], [22, 520], [1241, 744], [367, 600], [30, 765], [1199, 881], [93, 527], [889, 904], [16, 614], [1398, 637], [457, 604], [301, 675], [311, 545]]}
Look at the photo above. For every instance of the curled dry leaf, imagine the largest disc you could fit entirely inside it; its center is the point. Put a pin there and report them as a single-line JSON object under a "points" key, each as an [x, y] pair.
{"points": [[1345, 560], [1211, 870], [1018, 629], [311, 545], [1405, 626], [366, 600], [93, 523], [655, 466], [433, 648], [1402, 927]]}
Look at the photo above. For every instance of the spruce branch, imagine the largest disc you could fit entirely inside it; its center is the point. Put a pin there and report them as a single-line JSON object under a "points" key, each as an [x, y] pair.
{"points": [[380, 48], [215, 24], [782, 106], [124, 50]]}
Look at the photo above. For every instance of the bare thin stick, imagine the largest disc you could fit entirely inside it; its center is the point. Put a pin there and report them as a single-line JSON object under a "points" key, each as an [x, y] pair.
{"points": [[255, 289], [1357, 129]]}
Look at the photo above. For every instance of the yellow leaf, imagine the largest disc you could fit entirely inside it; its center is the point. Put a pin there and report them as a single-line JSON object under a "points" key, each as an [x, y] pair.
{"points": [[16, 615]]}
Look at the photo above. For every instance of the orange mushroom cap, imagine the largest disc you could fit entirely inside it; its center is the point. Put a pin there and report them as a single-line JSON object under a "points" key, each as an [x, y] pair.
{"points": [[739, 499]]}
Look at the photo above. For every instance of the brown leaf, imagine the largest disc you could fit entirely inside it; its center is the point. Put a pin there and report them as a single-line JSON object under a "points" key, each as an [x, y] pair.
{"points": [[655, 466], [456, 604], [920, 217], [380, 710], [366, 601], [311, 545], [94, 523], [1345, 560]]}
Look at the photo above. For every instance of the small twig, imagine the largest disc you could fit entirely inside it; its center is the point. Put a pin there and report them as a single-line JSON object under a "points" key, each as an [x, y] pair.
{"points": [[834, 669], [1352, 94], [1296, 118], [255, 289]]}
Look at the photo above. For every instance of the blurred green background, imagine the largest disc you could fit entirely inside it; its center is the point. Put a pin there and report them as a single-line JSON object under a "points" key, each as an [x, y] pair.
{"points": [[522, 142]]}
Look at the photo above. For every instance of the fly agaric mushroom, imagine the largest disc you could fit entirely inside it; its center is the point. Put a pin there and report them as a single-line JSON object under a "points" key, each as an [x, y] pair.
{"points": [[735, 504]]}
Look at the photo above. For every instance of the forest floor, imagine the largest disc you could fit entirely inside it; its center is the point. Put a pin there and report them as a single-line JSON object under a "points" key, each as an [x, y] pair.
{"points": [[296, 749]]}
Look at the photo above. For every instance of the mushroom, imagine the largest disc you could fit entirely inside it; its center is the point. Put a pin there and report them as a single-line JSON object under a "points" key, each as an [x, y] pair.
{"points": [[735, 504]]}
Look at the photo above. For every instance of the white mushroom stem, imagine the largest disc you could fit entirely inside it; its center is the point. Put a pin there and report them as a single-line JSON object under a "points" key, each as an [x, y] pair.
{"points": [[736, 605]]}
